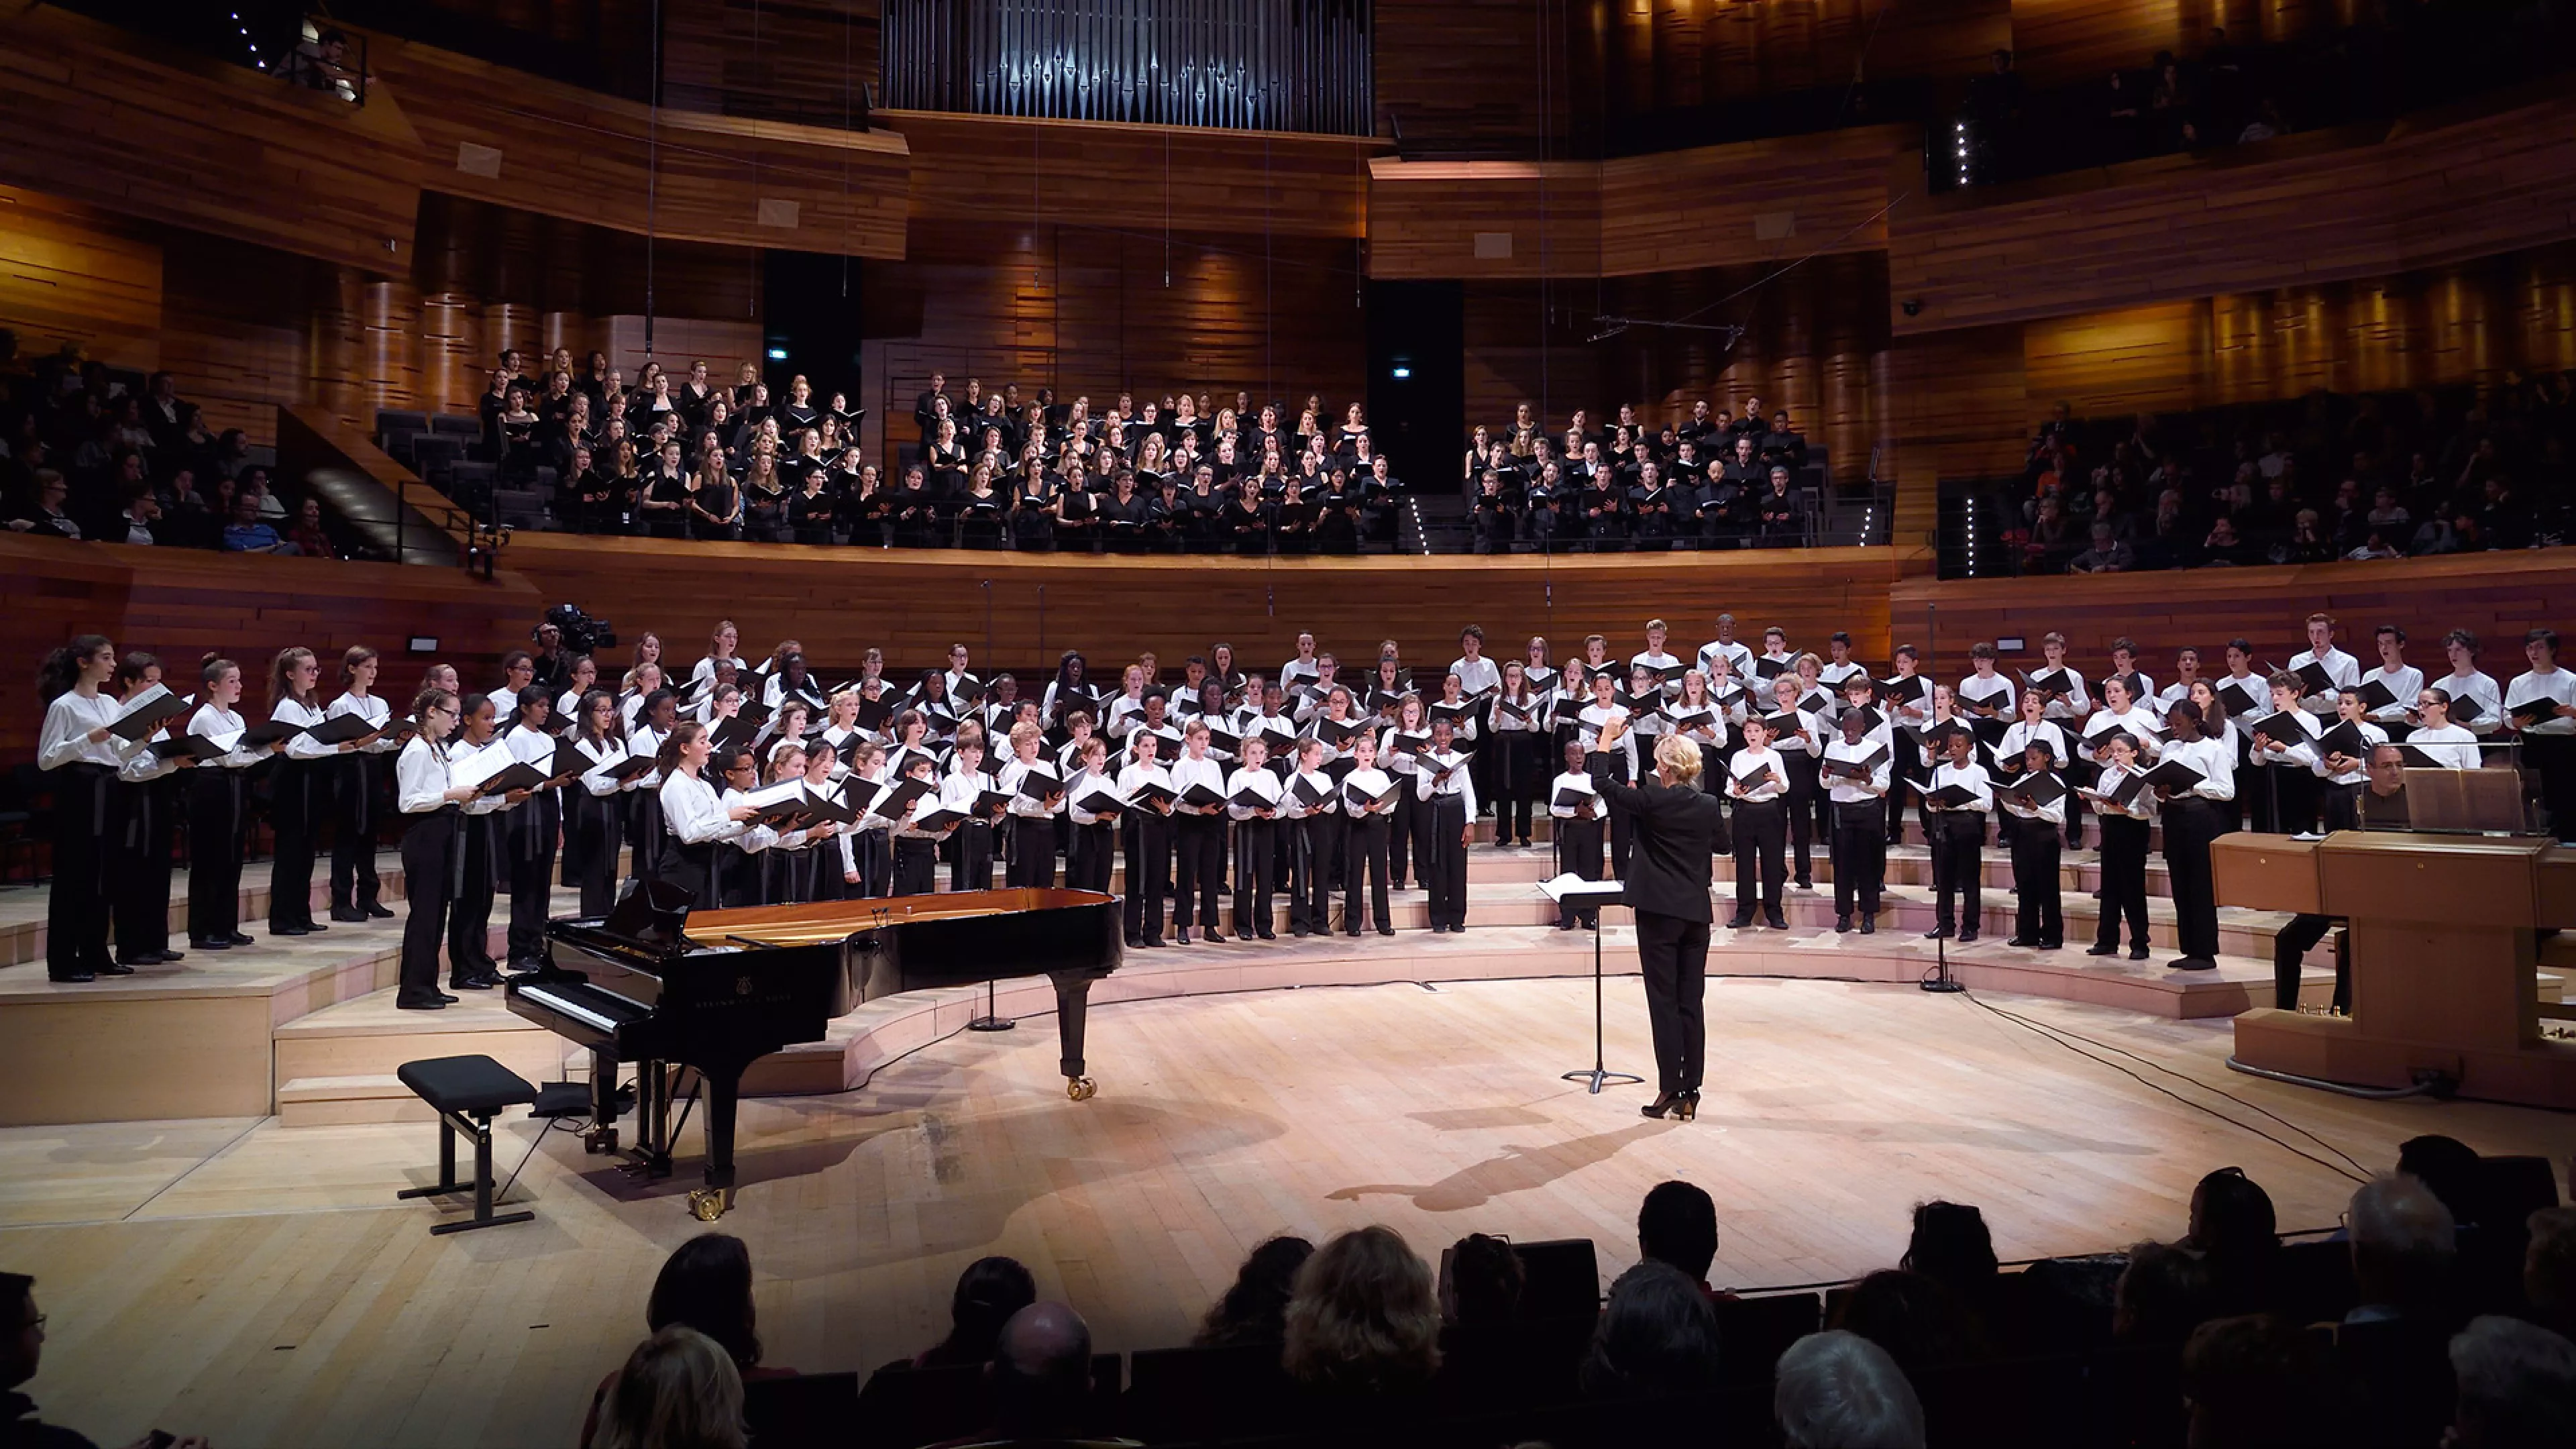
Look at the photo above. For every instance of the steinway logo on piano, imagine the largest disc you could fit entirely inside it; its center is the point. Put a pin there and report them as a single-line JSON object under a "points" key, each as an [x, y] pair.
{"points": [[742, 986]]}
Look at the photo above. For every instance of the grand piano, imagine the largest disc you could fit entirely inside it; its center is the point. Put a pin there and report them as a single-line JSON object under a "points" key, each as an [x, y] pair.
{"points": [[666, 987]]}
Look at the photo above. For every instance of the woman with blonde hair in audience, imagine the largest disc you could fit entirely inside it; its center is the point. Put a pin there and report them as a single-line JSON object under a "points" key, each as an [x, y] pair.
{"points": [[1363, 1323], [678, 1390]]}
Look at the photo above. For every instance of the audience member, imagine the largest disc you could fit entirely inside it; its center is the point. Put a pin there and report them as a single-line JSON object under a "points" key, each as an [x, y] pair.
{"points": [[1042, 1387], [2235, 1232], [2549, 1269], [2517, 1386], [1677, 1224], [1657, 1335], [1916, 1318], [1838, 1390], [20, 1354], [987, 1294], [678, 1390], [2260, 1381], [1484, 1282], [247, 532], [1255, 1308], [1364, 1322], [704, 1285], [1952, 1247], [2165, 1292], [2393, 1342]]}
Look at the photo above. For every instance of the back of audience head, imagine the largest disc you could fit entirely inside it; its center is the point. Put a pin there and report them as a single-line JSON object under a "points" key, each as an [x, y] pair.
{"points": [[2448, 1168], [2517, 1386], [1951, 1243], [1677, 1224], [1041, 1370], [1255, 1308], [1364, 1317], [706, 1284], [2549, 1268], [24, 1348], [1485, 1281], [1658, 1335], [2259, 1381], [1915, 1317], [987, 1294], [678, 1390], [2403, 1244], [2162, 1295], [1838, 1390]]}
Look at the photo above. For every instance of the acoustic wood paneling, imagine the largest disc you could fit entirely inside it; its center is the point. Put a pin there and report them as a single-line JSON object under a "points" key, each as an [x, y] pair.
{"points": [[685, 174], [1017, 609], [2065, 42], [1707, 206], [2496, 595], [181, 603], [233, 329], [1091, 311], [780, 60], [1677, 54], [1135, 177], [2306, 209], [94, 114], [1956, 408], [1469, 75], [72, 273]]}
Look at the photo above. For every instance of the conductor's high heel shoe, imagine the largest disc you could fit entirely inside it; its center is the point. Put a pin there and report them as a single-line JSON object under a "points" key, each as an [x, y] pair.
{"points": [[1686, 1107], [1661, 1105]]}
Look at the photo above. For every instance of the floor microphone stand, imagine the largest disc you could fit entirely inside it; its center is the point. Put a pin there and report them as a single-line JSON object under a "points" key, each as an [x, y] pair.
{"points": [[1940, 980]]}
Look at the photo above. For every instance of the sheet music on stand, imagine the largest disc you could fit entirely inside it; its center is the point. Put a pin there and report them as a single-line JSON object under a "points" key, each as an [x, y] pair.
{"points": [[1572, 891]]}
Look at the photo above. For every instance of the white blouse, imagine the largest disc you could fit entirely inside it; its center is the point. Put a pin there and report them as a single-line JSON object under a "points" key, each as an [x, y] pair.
{"points": [[693, 813], [68, 722]]}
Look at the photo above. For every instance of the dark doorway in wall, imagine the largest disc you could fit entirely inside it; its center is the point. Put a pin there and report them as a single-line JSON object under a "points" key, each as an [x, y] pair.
{"points": [[809, 308], [1417, 389]]}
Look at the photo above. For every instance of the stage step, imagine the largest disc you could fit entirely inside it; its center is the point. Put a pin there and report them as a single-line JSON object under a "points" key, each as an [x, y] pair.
{"points": [[333, 1065]]}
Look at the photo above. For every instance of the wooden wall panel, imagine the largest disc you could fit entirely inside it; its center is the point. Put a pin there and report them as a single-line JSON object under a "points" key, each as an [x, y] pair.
{"points": [[689, 175], [1956, 407], [2066, 42], [780, 60], [2303, 210], [1115, 174], [2495, 595], [1707, 206], [233, 327], [1019, 610], [1460, 76], [94, 114], [1673, 55], [180, 603], [73, 273], [1089, 311]]}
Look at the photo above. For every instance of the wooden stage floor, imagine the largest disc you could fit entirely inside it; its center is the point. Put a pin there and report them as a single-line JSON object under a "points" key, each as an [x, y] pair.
{"points": [[233, 1277]]}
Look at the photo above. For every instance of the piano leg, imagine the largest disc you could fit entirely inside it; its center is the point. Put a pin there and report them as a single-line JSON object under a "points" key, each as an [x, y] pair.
{"points": [[1072, 1003], [602, 1136], [653, 1117], [710, 1202]]}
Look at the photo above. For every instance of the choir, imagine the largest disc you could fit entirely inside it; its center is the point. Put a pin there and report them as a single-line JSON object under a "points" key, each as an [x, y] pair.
{"points": [[751, 782]]}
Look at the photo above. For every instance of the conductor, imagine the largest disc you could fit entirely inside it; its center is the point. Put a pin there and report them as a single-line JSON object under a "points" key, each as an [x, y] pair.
{"points": [[1676, 833]]}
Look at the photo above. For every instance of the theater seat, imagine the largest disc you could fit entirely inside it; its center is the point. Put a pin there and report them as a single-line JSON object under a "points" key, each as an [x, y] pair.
{"points": [[1752, 1333], [1182, 1393], [902, 1406], [806, 1409]]}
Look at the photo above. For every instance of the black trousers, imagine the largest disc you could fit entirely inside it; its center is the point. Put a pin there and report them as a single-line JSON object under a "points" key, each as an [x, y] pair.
{"points": [[469, 913], [2290, 794], [742, 877], [1621, 827], [2553, 757], [1032, 851], [139, 878], [2124, 880], [594, 827], [1408, 836], [1674, 953], [692, 868], [2191, 823], [1364, 851], [1444, 864], [528, 836], [2038, 912], [431, 855], [1958, 839], [1905, 773], [214, 853], [2076, 775], [2291, 946], [354, 885], [1198, 860], [297, 794], [1578, 851], [973, 870], [1256, 847], [77, 908], [1860, 855], [1522, 773], [1148, 846], [1089, 855], [648, 843], [1802, 770], [916, 865], [874, 852], [1760, 828], [1318, 860], [2339, 806]]}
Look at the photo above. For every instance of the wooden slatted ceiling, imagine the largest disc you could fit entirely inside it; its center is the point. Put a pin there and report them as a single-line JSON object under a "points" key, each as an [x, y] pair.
{"points": [[1108, 173], [2310, 209], [1708, 206], [93, 114], [578, 154]]}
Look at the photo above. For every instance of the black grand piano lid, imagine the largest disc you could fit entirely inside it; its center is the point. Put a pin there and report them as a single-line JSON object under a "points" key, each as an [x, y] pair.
{"points": [[654, 913]]}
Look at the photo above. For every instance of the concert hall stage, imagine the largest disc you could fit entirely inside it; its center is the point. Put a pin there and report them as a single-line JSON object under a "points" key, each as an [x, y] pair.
{"points": [[247, 1273]]}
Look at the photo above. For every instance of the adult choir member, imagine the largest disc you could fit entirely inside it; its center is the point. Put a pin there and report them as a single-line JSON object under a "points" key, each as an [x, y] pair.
{"points": [[1676, 829]]}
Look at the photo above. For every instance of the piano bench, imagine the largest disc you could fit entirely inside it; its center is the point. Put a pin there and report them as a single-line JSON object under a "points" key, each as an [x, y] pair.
{"points": [[466, 1092]]}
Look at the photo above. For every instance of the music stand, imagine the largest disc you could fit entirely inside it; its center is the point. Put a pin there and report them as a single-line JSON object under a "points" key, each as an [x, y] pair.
{"points": [[1580, 894]]}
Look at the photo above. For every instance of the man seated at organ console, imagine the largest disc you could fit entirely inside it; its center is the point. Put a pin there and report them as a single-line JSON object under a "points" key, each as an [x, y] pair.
{"points": [[2382, 807]]}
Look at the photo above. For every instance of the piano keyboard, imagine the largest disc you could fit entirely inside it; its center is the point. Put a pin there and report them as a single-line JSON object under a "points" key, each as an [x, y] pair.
{"points": [[603, 1011]]}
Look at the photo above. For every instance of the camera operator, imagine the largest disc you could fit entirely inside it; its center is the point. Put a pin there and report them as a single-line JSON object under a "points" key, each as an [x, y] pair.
{"points": [[554, 662]]}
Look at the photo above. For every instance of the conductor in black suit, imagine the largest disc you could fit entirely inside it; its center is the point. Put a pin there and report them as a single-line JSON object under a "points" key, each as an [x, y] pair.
{"points": [[1676, 833]]}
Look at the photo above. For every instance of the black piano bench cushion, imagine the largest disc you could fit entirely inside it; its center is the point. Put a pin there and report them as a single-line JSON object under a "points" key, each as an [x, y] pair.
{"points": [[562, 1099], [474, 1085]]}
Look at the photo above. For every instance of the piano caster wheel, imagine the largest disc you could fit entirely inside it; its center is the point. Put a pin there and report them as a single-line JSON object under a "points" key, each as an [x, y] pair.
{"points": [[707, 1204], [1081, 1089]]}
